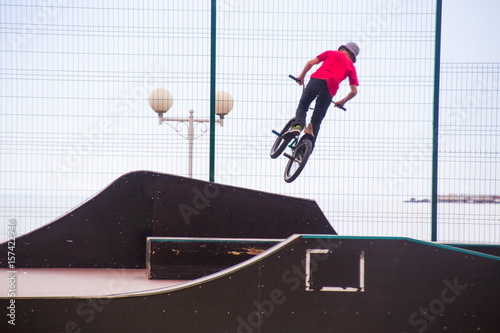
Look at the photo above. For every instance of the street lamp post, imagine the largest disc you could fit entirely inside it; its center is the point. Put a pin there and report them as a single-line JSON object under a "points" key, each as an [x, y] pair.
{"points": [[161, 101]]}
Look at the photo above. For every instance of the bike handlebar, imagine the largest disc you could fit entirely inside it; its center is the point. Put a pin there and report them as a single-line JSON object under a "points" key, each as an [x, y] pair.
{"points": [[294, 78], [340, 107], [299, 81]]}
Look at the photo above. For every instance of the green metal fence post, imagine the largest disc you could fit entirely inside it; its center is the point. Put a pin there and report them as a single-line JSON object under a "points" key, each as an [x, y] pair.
{"points": [[437, 60], [213, 36]]}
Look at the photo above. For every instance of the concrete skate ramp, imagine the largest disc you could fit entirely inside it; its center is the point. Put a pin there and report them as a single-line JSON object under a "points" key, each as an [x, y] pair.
{"points": [[308, 283], [110, 229]]}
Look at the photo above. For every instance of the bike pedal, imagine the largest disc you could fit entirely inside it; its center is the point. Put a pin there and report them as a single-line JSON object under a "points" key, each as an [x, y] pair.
{"points": [[276, 132], [289, 156]]}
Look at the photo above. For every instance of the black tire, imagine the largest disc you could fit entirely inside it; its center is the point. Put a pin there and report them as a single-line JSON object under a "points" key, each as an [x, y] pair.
{"points": [[296, 164], [280, 144]]}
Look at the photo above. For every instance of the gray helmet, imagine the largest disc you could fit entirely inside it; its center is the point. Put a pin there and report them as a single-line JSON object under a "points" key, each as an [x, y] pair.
{"points": [[351, 47]]}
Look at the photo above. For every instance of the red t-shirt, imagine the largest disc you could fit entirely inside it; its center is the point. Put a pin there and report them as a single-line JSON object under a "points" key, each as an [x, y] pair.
{"points": [[336, 67]]}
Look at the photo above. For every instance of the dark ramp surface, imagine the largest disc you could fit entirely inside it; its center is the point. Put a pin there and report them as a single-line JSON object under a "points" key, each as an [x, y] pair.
{"points": [[304, 284], [110, 229]]}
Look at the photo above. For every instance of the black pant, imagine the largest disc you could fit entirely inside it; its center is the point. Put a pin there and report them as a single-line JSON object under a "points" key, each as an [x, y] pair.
{"points": [[315, 89]]}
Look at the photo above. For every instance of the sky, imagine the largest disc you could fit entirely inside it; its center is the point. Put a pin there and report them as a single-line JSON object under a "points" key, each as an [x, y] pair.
{"points": [[87, 73], [470, 31]]}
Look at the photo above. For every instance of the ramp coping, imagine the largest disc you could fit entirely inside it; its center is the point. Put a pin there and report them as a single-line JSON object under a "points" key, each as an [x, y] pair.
{"points": [[214, 240], [427, 243]]}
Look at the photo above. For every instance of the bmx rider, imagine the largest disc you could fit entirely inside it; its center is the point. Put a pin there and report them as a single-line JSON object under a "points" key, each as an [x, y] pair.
{"points": [[336, 67]]}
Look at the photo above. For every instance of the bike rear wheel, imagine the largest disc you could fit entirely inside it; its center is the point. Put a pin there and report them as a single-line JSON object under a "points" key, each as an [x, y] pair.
{"points": [[280, 144], [298, 160]]}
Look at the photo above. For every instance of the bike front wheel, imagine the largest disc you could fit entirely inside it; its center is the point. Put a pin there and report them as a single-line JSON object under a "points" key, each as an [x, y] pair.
{"points": [[298, 160], [280, 144]]}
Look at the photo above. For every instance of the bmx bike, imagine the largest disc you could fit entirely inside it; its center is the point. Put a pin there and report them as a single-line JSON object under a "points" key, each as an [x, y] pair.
{"points": [[301, 148]]}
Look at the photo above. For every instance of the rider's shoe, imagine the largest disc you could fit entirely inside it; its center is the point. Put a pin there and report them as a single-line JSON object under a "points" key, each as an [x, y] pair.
{"points": [[293, 132]]}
